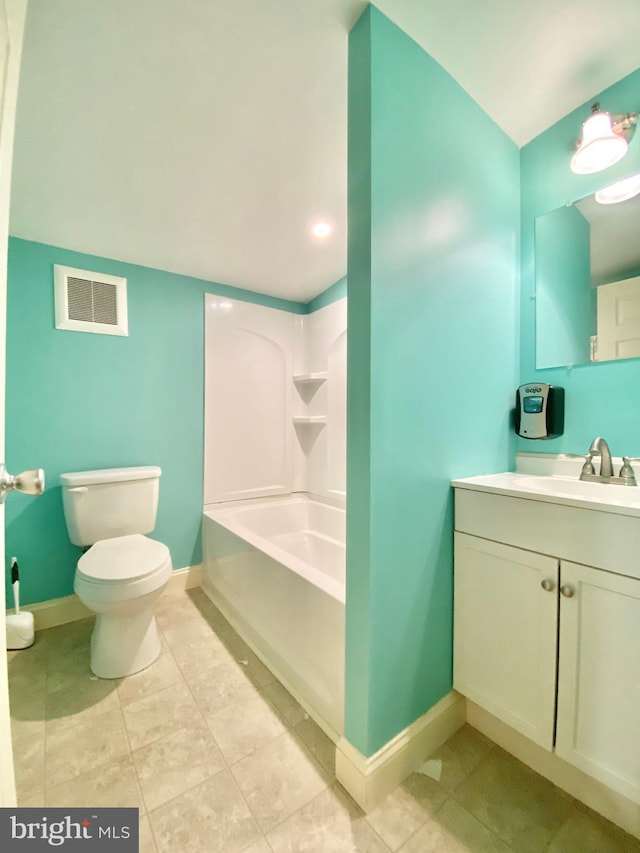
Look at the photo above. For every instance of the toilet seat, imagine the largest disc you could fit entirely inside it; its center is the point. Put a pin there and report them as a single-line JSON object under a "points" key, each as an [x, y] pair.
{"points": [[125, 558], [122, 568]]}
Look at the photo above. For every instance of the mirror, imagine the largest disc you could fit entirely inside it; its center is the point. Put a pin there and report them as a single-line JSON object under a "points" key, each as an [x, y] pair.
{"points": [[587, 258]]}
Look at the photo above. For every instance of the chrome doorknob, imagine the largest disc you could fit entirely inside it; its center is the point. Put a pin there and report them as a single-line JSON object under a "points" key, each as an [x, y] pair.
{"points": [[28, 482]]}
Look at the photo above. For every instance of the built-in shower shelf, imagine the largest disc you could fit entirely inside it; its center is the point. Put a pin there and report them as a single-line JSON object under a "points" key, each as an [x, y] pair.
{"points": [[310, 378], [301, 420]]}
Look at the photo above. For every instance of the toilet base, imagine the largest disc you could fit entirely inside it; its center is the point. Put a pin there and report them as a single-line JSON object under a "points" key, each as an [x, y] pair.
{"points": [[123, 644]]}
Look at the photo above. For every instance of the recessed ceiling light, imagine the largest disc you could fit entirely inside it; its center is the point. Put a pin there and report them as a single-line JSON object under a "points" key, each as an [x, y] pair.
{"points": [[321, 230], [620, 191]]}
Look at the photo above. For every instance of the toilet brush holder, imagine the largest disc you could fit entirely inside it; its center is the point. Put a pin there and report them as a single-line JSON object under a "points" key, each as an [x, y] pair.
{"points": [[20, 630], [20, 626]]}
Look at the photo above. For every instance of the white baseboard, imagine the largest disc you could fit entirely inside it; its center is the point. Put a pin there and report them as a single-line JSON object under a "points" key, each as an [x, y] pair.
{"points": [[369, 780], [182, 579], [59, 611], [602, 799]]}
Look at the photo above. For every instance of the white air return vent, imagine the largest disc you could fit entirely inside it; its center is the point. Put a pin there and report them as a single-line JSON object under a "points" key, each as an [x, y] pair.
{"points": [[90, 301]]}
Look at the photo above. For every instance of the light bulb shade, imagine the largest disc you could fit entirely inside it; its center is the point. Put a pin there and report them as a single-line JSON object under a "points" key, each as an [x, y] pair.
{"points": [[620, 191], [600, 146]]}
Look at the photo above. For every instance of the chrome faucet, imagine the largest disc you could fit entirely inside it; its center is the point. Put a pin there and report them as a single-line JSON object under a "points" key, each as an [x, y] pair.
{"points": [[599, 447]]}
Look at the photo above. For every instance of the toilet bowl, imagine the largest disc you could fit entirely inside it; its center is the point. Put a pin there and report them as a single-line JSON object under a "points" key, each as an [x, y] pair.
{"points": [[120, 579]]}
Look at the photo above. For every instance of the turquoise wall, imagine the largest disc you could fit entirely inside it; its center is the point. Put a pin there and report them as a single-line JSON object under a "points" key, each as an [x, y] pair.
{"points": [[331, 294], [565, 304], [432, 360], [78, 401], [599, 397]]}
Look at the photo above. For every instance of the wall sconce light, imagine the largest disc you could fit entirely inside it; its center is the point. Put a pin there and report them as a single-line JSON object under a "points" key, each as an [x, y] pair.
{"points": [[605, 139]]}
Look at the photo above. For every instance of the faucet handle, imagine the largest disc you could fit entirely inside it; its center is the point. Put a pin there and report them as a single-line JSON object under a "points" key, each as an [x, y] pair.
{"points": [[626, 472], [588, 468]]}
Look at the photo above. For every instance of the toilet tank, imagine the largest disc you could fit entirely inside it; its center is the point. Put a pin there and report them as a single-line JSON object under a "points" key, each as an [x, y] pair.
{"points": [[110, 502]]}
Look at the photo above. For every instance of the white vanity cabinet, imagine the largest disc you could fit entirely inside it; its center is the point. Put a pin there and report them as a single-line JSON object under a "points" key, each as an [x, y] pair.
{"points": [[598, 719], [548, 645], [505, 648]]}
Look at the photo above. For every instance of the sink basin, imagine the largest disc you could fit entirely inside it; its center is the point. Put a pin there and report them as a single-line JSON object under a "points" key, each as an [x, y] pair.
{"points": [[605, 497], [606, 492]]}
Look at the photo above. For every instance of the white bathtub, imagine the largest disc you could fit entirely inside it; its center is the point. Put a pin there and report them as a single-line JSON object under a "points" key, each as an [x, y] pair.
{"points": [[276, 569]]}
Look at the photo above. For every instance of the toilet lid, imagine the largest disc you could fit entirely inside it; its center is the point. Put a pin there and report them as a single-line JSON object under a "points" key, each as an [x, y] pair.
{"points": [[124, 558]]}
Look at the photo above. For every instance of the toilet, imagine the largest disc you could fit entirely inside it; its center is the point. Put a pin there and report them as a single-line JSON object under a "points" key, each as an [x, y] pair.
{"points": [[123, 573]]}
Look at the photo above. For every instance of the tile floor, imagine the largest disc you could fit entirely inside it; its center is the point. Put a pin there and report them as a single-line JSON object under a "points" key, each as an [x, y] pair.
{"points": [[219, 757]]}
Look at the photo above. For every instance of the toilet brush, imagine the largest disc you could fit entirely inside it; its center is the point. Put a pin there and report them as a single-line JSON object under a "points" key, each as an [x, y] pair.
{"points": [[20, 629]]}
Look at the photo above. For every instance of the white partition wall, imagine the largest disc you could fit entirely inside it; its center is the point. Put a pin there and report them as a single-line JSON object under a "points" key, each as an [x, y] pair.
{"points": [[275, 401]]}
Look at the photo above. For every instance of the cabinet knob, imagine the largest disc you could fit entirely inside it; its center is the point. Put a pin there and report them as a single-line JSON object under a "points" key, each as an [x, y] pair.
{"points": [[547, 585], [567, 591]]}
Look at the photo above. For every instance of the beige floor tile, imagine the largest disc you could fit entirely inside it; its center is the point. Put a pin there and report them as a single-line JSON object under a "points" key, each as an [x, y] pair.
{"points": [[160, 715], [587, 832], [330, 822], [319, 745], [175, 613], [162, 673], [28, 692], [169, 609], [290, 711], [194, 596], [27, 720], [255, 670], [109, 786], [454, 830], [200, 600], [69, 669], [403, 811], [212, 818], [220, 686], [34, 800], [174, 764], [521, 807], [279, 779], [201, 655], [80, 701], [244, 727], [178, 630], [24, 732], [183, 620], [28, 661], [89, 744], [63, 639], [27, 700], [259, 846], [146, 840], [460, 755], [29, 767]]}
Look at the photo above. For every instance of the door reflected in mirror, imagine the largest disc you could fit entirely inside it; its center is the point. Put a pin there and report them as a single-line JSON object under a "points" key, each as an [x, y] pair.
{"points": [[587, 258]]}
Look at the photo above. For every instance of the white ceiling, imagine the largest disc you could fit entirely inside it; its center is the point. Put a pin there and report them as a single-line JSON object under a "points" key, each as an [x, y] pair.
{"points": [[204, 137]]}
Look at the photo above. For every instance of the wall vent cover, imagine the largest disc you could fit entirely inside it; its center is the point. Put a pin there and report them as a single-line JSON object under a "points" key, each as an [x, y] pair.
{"points": [[90, 301]]}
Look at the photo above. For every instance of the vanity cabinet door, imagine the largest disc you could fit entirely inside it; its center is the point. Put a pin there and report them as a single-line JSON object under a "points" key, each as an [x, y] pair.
{"points": [[505, 633], [599, 676]]}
